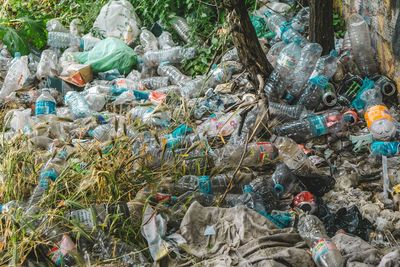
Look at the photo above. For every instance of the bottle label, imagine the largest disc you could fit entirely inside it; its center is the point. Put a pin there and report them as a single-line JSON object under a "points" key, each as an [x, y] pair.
{"points": [[45, 108], [286, 61], [318, 125], [297, 160], [322, 247], [267, 151], [378, 112], [58, 253]]}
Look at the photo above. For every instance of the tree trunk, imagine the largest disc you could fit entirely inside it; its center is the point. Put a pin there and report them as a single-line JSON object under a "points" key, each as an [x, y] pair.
{"points": [[321, 24], [245, 40]]}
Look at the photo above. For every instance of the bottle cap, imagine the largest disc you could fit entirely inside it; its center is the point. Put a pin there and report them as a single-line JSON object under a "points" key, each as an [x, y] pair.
{"points": [[278, 188], [247, 188], [333, 53], [17, 54]]}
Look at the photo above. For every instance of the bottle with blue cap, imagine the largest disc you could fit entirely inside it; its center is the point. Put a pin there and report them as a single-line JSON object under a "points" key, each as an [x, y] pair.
{"points": [[283, 180], [45, 104], [388, 149], [274, 22]]}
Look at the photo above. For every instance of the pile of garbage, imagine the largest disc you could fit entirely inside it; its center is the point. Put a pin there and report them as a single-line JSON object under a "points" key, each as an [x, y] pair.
{"points": [[135, 162]]}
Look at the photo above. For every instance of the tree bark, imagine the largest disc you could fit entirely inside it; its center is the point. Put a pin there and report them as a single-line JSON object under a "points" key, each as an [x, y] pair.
{"points": [[321, 24], [245, 40]]}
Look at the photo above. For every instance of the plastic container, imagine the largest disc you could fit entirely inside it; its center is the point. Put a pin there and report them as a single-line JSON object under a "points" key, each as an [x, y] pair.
{"points": [[324, 251], [388, 149], [48, 65], [362, 50], [287, 111], [274, 51], [311, 98], [300, 22], [172, 72], [181, 27], [45, 104], [275, 22], [312, 126], [77, 105]]}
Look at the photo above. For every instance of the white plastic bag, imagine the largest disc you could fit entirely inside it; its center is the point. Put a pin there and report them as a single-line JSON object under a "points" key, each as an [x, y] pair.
{"points": [[16, 76], [114, 19], [19, 119]]}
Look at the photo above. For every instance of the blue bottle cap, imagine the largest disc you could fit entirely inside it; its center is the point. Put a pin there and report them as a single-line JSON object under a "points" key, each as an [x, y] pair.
{"points": [[205, 184], [278, 188], [334, 53], [247, 188]]}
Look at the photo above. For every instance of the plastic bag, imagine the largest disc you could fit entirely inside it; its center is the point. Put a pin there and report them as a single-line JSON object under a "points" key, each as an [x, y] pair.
{"points": [[48, 65], [115, 17], [110, 53]]}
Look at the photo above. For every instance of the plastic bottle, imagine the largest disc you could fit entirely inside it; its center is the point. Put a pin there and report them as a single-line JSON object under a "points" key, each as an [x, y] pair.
{"points": [[16, 76], [312, 126], [293, 156], [290, 35], [324, 251], [77, 105], [249, 198], [283, 180], [379, 121], [193, 88], [54, 25], [149, 116], [165, 40], [388, 149], [45, 104], [361, 45], [172, 72], [300, 22], [203, 184], [62, 40], [287, 111], [148, 40], [153, 83], [48, 65], [181, 27], [310, 54], [172, 55], [50, 172], [218, 75], [311, 98], [275, 22], [326, 66], [274, 51], [271, 86], [103, 133], [61, 254]]}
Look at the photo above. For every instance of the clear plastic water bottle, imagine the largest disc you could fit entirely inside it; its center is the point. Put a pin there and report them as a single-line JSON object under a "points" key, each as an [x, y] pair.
{"points": [[290, 35], [326, 66], [203, 184], [249, 198], [62, 40], [312, 126], [379, 121], [286, 111], [165, 40], [77, 105], [172, 72], [148, 40], [308, 60], [104, 132], [153, 83], [300, 22], [388, 149], [324, 251], [16, 76], [181, 27], [271, 86], [293, 156], [274, 51], [362, 50], [172, 55], [45, 104], [193, 88], [275, 22], [283, 180]]}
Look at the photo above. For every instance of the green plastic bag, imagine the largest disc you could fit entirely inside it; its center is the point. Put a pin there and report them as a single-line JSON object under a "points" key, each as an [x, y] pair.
{"points": [[108, 54]]}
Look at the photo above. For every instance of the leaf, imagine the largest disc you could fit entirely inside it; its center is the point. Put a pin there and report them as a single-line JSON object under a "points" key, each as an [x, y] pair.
{"points": [[13, 41]]}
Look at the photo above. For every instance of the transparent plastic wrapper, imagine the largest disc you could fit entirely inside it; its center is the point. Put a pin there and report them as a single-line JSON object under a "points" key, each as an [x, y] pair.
{"points": [[172, 72], [165, 40], [224, 125], [16, 76], [323, 249], [109, 54], [114, 18], [148, 40], [54, 25], [19, 120], [171, 55], [181, 27], [362, 50], [154, 228], [48, 65], [77, 104]]}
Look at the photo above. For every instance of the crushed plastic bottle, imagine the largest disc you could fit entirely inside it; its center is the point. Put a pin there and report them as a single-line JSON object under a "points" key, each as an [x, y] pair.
{"points": [[77, 104], [204, 184], [171, 55], [361, 45], [388, 149], [312, 126], [181, 27], [172, 72], [148, 40], [313, 92], [324, 251], [287, 111], [16, 76], [274, 51], [45, 104]]}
